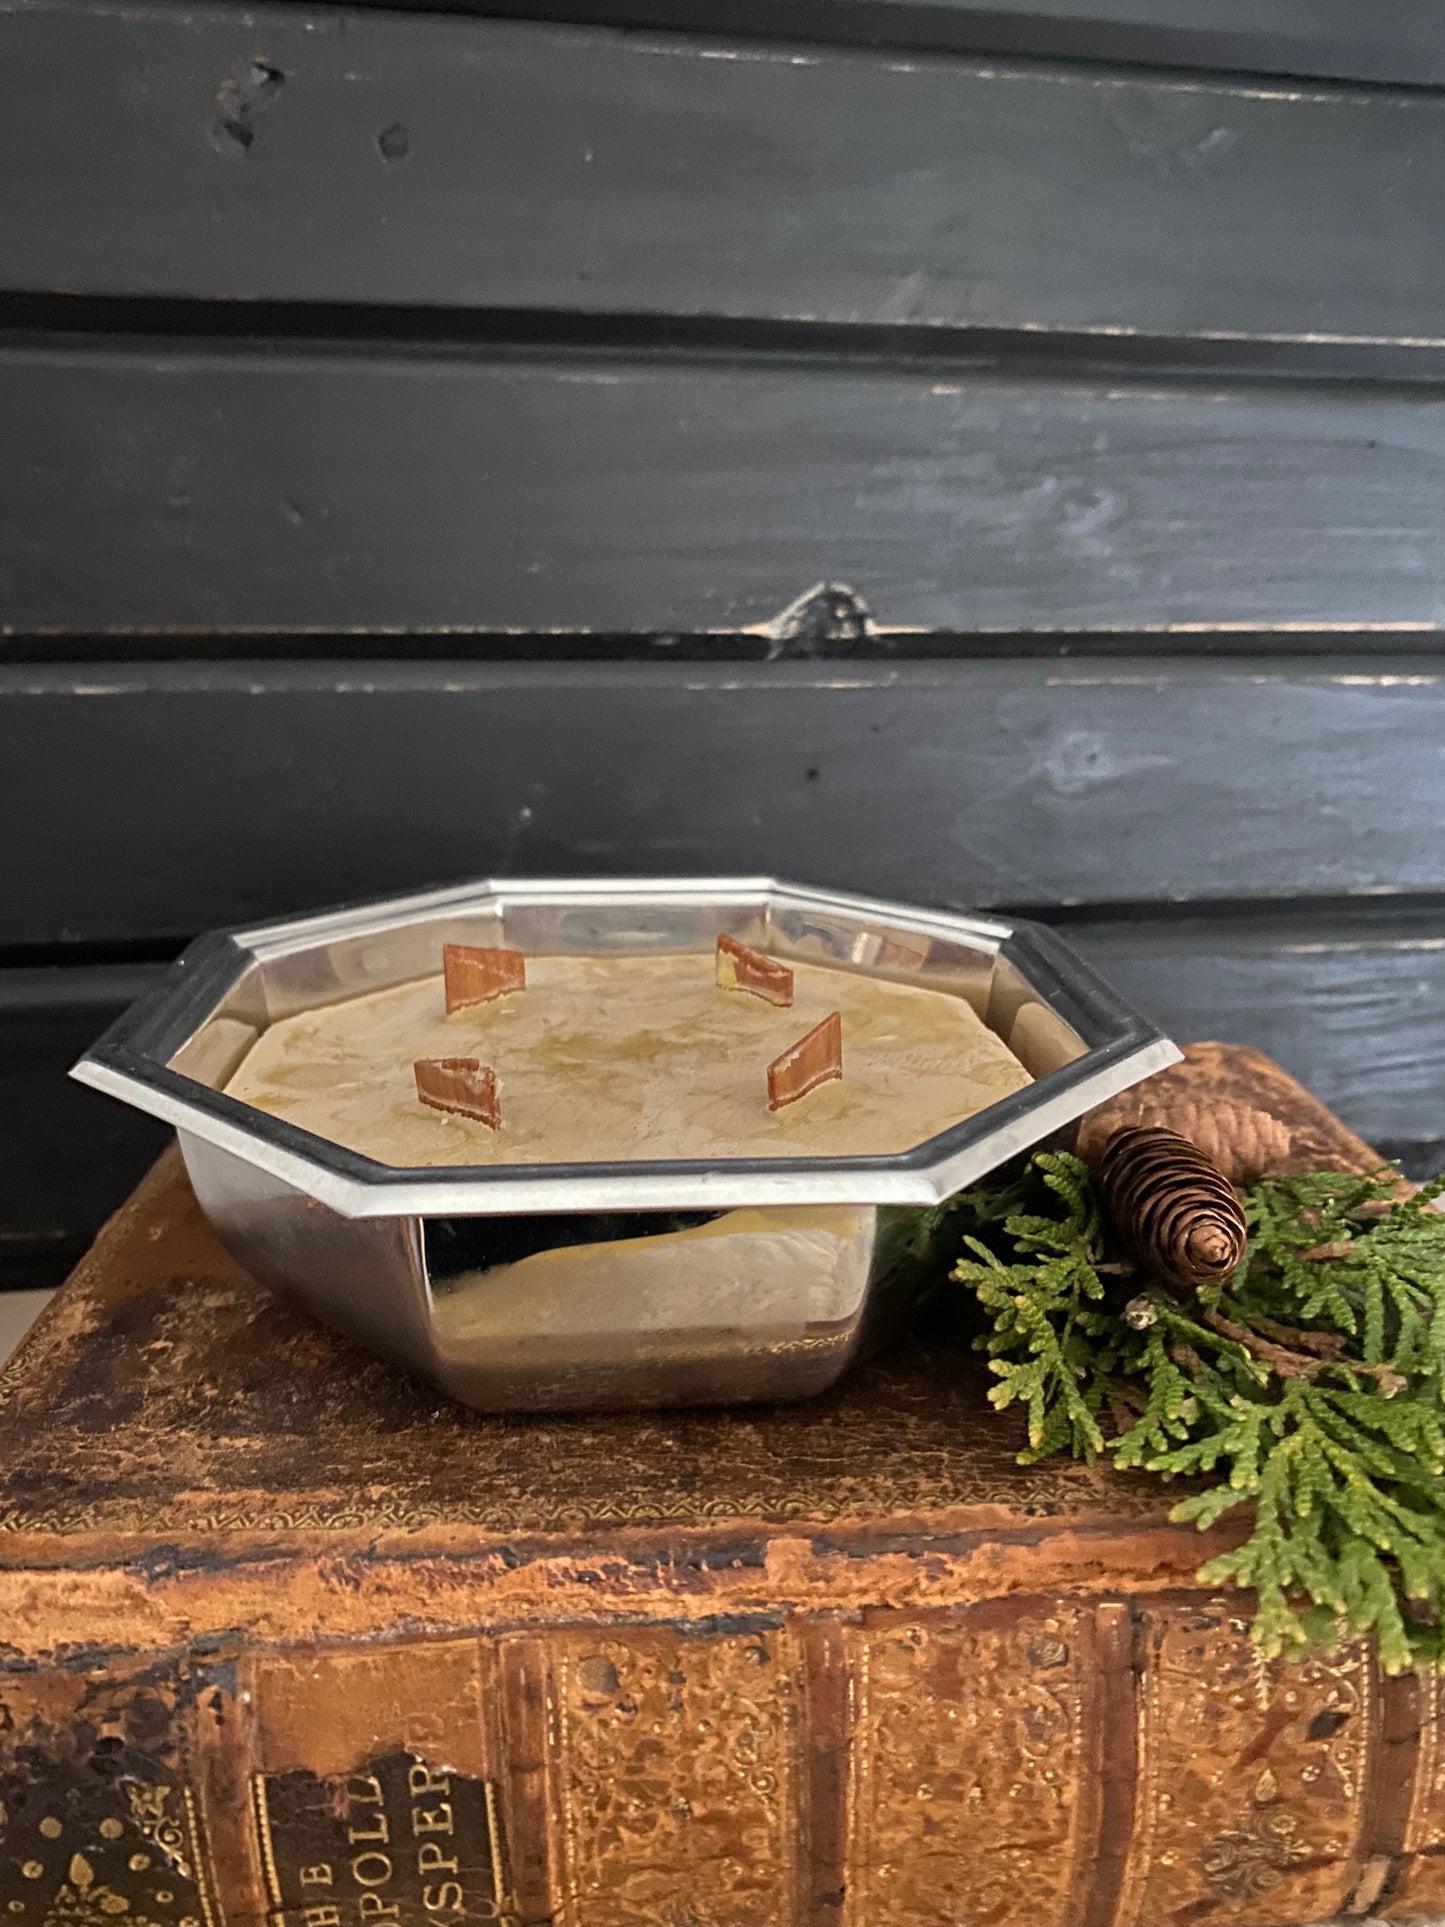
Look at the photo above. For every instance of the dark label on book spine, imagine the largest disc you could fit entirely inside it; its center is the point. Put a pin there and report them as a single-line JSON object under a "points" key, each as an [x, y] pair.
{"points": [[403, 1842], [98, 1824]]}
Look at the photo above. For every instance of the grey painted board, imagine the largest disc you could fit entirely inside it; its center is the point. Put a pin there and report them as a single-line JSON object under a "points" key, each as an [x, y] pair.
{"points": [[1391, 40], [159, 800], [290, 154], [67, 1156], [1357, 1012], [170, 489]]}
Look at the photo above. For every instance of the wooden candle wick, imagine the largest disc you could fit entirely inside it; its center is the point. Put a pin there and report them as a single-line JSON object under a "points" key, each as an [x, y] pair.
{"points": [[813, 1060], [475, 976], [740, 968], [463, 1085]]}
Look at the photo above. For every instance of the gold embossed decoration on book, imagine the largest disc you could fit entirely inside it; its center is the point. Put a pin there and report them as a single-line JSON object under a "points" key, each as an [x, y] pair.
{"points": [[289, 1639]]}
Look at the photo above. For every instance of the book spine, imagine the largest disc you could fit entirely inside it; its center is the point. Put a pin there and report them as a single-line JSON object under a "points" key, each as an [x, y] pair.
{"points": [[1044, 1762]]}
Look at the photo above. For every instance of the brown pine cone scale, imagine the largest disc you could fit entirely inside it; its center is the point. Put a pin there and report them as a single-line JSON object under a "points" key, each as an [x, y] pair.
{"points": [[1244, 1141], [1172, 1208]]}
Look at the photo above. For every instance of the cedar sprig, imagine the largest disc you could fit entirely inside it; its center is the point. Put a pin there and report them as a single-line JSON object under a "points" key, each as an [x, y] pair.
{"points": [[1046, 1302], [1308, 1388]]}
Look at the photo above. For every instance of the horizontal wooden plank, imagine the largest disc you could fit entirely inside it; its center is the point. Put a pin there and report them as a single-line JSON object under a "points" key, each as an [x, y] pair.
{"points": [[1350, 1006], [294, 154], [161, 489], [1394, 40], [67, 1156], [159, 800]]}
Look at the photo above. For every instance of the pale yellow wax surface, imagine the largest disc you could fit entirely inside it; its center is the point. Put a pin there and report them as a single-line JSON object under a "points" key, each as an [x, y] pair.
{"points": [[630, 1057]]}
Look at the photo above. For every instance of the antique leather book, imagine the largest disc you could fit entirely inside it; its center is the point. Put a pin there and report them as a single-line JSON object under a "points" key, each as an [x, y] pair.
{"points": [[285, 1635]]}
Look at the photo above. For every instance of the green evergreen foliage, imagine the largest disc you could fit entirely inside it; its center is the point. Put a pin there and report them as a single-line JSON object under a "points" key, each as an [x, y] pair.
{"points": [[1309, 1389]]}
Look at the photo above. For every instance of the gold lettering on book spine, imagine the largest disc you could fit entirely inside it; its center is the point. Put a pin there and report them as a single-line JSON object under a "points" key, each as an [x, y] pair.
{"points": [[399, 1842]]}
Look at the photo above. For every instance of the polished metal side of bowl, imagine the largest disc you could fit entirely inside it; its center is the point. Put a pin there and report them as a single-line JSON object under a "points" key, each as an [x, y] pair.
{"points": [[566, 1311], [645, 1282]]}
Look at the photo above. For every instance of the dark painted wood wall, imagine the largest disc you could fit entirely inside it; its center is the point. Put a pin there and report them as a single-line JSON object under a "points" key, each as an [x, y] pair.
{"points": [[994, 454]]}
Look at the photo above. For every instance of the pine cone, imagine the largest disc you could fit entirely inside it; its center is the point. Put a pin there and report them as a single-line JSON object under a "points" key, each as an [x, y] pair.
{"points": [[1173, 1209], [1243, 1141]]}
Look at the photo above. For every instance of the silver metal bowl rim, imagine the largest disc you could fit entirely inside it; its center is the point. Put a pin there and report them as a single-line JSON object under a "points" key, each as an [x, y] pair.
{"points": [[131, 1062]]}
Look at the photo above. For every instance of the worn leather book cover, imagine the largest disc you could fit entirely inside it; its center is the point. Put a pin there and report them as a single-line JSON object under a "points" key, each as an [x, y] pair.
{"points": [[286, 1637]]}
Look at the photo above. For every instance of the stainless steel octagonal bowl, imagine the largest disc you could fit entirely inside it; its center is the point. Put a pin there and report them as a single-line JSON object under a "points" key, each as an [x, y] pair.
{"points": [[551, 1286]]}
